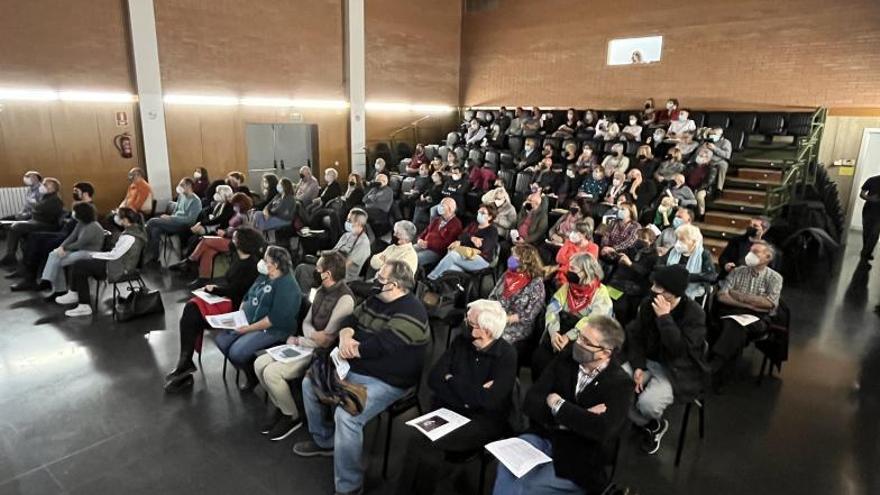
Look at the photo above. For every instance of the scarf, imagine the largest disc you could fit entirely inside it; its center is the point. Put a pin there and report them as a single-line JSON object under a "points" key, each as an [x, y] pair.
{"points": [[694, 265], [325, 300], [580, 295], [514, 281]]}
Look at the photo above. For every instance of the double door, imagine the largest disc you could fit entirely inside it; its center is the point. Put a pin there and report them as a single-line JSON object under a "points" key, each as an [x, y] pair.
{"points": [[280, 149]]}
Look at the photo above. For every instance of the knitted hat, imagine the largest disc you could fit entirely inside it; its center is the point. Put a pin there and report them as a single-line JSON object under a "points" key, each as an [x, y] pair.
{"points": [[673, 278]]}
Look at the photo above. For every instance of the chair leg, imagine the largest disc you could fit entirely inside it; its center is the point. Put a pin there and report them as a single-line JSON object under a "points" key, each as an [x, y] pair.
{"points": [[225, 362], [115, 298], [97, 295], [683, 433], [702, 406], [387, 446], [762, 371]]}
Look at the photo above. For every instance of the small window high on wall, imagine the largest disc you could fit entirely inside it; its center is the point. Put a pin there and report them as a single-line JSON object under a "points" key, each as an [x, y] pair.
{"points": [[629, 51]]}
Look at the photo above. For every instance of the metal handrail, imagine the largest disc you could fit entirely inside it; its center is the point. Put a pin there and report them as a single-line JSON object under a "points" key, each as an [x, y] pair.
{"points": [[803, 169]]}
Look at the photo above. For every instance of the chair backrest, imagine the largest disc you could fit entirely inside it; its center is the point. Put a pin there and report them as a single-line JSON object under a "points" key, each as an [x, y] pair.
{"points": [[430, 151], [462, 153], [771, 123], [491, 157], [451, 139], [515, 143], [475, 154], [507, 177], [718, 119], [744, 121], [523, 181], [798, 124], [506, 158], [699, 118], [736, 137], [442, 152], [407, 185], [553, 142]]}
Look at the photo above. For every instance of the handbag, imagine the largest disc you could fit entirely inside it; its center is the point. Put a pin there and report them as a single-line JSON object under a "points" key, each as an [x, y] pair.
{"points": [[139, 302], [467, 252]]}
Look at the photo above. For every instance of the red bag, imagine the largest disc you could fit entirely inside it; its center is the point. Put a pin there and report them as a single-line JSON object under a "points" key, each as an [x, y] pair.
{"points": [[209, 309]]}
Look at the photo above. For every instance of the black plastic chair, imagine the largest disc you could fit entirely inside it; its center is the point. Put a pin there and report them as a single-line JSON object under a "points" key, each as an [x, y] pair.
{"points": [[700, 403], [745, 121], [718, 119], [515, 143], [799, 124], [398, 407], [737, 138], [771, 124], [699, 118]]}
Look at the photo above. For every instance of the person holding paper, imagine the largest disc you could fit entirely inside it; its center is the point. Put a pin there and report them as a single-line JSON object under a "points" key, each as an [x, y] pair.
{"points": [[473, 378], [384, 342], [242, 272], [271, 306], [333, 303], [577, 410], [665, 347], [753, 289]]}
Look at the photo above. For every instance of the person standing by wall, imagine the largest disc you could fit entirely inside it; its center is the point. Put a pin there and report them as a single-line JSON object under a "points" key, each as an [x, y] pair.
{"points": [[870, 216]]}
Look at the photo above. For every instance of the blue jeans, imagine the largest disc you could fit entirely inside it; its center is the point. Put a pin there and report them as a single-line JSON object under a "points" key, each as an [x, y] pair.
{"points": [[454, 262], [241, 347], [345, 435], [158, 226], [541, 480], [263, 224], [426, 256], [53, 271]]}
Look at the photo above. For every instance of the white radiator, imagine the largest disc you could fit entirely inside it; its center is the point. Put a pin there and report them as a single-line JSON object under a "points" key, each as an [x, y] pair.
{"points": [[11, 200]]}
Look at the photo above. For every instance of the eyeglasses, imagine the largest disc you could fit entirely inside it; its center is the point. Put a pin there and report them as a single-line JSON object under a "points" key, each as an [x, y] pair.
{"points": [[583, 341]]}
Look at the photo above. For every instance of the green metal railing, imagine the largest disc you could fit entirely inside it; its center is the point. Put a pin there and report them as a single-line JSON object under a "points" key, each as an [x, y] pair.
{"points": [[800, 172]]}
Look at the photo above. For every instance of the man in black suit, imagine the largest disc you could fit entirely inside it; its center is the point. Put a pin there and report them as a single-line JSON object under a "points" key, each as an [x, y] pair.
{"points": [[577, 409], [529, 156]]}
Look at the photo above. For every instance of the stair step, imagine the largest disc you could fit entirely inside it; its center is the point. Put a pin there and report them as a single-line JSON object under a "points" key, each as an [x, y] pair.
{"points": [[760, 174], [760, 163], [715, 246], [737, 206], [741, 183], [745, 195], [714, 231], [725, 219]]}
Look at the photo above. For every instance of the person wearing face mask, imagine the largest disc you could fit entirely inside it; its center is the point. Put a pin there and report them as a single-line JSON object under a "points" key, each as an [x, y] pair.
{"points": [[269, 189], [578, 241], [475, 378], [657, 142], [754, 290], [582, 294], [307, 188], [734, 254], [271, 307], [32, 180], [456, 187], [234, 179], [201, 182], [664, 347], [444, 229], [701, 179], [475, 133], [648, 115], [475, 248], [427, 200], [418, 159], [560, 230], [632, 131], [506, 216], [45, 217], [378, 200], [568, 129], [202, 256], [404, 233], [529, 156], [611, 129], [333, 304], [680, 125], [571, 184], [354, 244], [577, 411], [668, 114], [721, 148], [139, 195], [183, 216], [587, 158], [643, 192], [683, 216], [280, 212], [532, 220], [123, 259], [354, 193], [385, 342], [379, 167], [593, 188], [681, 193], [515, 127], [688, 251], [631, 275], [645, 162], [616, 161], [617, 190], [623, 233], [674, 164], [420, 184], [215, 216], [520, 291], [247, 245]]}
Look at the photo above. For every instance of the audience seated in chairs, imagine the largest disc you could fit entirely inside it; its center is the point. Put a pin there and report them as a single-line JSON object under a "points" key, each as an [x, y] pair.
{"points": [[333, 304], [212, 218], [560, 231], [32, 180], [506, 218], [87, 238], [532, 219], [622, 235], [120, 261], [475, 248], [701, 179], [247, 245], [427, 199], [688, 251], [307, 189], [579, 241], [752, 289], [354, 244], [577, 410], [631, 275], [271, 306], [404, 233], [475, 377], [616, 161], [278, 213], [354, 194], [46, 216], [377, 203], [269, 188], [721, 149], [734, 254], [182, 217], [443, 230], [594, 186], [521, 293], [384, 342], [665, 345], [328, 193], [682, 194], [138, 197], [582, 295], [200, 182]]}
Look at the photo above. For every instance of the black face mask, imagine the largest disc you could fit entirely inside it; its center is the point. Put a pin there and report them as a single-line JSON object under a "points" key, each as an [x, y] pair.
{"points": [[302, 176], [581, 355], [376, 288], [574, 210], [643, 157], [616, 153], [77, 196], [751, 232], [572, 278], [527, 207], [316, 279]]}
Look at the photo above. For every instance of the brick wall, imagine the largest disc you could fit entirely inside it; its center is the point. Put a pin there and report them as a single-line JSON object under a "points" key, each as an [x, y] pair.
{"points": [[716, 54]]}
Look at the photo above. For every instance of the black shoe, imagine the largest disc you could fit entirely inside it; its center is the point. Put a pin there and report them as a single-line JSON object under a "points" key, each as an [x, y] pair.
{"points": [[249, 385], [180, 266], [284, 428], [655, 431], [24, 285], [197, 283], [15, 274], [44, 285], [182, 369], [51, 297], [272, 418], [309, 448], [8, 261], [177, 386]]}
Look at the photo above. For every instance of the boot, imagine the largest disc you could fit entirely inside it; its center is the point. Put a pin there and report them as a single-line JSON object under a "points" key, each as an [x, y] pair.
{"points": [[184, 367]]}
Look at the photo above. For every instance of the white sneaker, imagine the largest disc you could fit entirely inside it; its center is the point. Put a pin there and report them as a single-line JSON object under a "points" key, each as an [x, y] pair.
{"points": [[79, 310], [69, 298]]}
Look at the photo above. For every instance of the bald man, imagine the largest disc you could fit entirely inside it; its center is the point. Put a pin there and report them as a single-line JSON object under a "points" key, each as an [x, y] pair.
{"points": [[443, 230]]}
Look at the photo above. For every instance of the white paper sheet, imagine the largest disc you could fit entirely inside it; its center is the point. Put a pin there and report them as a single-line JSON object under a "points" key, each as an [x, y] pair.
{"points": [[287, 353], [439, 423], [517, 455], [229, 321], [208, 297], [342, 366], [743, 320]]}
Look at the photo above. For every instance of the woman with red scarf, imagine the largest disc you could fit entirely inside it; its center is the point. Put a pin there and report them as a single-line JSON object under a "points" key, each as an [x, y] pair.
{"points": [[581, 295], [521, 293]]}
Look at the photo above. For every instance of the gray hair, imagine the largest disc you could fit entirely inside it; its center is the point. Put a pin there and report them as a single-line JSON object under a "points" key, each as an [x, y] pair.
{"points": [[768, 246], [585, 227], [765, 221], [587, 265], [332, 171], [358, 216], [490, 316], [401, 274], [690, 232], [612, 332], [407, 228], [280, 257]]}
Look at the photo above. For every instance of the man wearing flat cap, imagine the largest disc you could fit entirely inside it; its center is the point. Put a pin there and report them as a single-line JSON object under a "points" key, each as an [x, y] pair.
{"points": [[665, 347]]}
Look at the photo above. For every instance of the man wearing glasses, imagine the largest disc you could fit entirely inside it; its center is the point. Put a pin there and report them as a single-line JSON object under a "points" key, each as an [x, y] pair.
{"points": [[577, 409], [665, 346]]}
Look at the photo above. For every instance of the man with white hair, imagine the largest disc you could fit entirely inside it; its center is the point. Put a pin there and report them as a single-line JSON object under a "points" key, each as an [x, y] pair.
{"points": [[307, 189], [474, 378], [443, 230]]}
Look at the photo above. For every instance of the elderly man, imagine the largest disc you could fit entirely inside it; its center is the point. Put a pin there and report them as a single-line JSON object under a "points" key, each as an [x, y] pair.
{"points": [[44, 217], [404, 232], [354, 244], [753, 291], [308, 188], [384, 342], [721, 149], [737, 248], [474, 378], [443, 230], [665, 346], [378, 200], [680, 125], [139, 196], [529, 156], [577, 410]]}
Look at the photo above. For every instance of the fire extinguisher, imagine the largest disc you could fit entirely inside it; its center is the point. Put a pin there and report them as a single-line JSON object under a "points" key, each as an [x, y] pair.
{"points": [[123, 144]]}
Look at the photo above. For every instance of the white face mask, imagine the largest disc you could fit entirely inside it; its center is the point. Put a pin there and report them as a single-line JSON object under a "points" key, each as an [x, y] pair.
{"points": [[328, 179], [197, 175], [681, 247], [262, 267], [669, 106], [616, 182], [180, 189], [28, 181], [682, 117], [499, 202], [279, 188], [43, 189], [570, 174], [632, 121], [217, 197], [574, 237], [702, 160], [456, 176], [752, 259], [117, 220]]}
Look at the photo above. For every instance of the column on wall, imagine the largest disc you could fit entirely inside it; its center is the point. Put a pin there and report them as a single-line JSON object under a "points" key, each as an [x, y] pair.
{"points": [[356, 82]]}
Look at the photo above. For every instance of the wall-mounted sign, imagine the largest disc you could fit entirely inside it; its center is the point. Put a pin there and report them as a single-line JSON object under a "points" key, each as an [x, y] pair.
{"points": [[121, 119]]}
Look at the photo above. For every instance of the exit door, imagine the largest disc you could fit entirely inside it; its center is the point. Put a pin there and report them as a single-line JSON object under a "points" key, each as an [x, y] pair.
{"points": [[868, 165], [280, 149]]}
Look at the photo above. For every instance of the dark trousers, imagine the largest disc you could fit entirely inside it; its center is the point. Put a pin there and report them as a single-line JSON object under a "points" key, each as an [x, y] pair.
{"points": [[20, 230], [733, 337], [37, 249], [870, 233], [192, 324], [541, 358], [81, 271]]}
